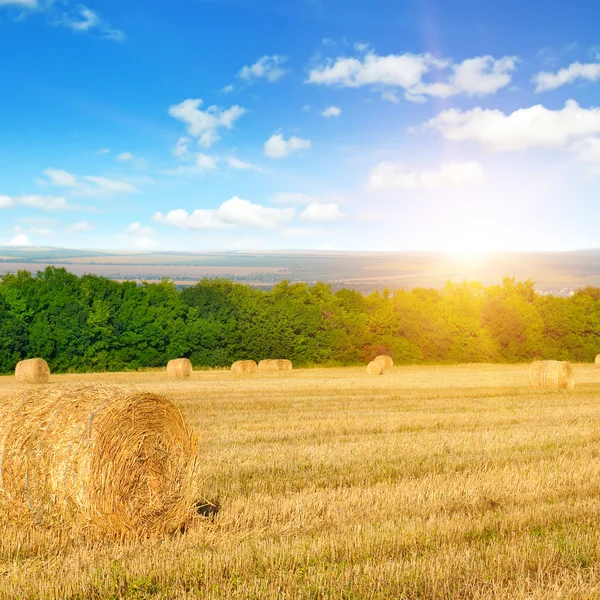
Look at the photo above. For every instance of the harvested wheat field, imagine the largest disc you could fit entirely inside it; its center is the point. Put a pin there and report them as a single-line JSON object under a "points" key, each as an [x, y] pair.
{"points": [[430, 482]]}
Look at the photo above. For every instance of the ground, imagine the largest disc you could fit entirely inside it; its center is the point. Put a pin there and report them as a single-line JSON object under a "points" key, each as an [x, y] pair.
{"points": [[427, 482]]}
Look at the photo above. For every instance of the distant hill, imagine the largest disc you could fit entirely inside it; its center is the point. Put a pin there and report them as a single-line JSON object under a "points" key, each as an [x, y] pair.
{"points": [[553, 272]]}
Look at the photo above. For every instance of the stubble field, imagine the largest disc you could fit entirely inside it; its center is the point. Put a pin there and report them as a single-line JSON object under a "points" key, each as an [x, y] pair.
{"points": [[427, 482]]}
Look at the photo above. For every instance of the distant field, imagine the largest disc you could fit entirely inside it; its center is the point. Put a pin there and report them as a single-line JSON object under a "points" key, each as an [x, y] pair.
{"points": [[427, 482], [553, 272]]}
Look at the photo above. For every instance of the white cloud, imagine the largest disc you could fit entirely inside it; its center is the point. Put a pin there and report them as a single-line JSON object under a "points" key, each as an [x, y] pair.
{"points": [[96, 186], [103, 151], [138, 229], [20, 240], [125, 157], [227, 89], [49, 203], [232, 213], [60, 178], [331, 111], [321, 213], [277, 147], [474, 76], [389, 175], [236, 163], [139, 236], [83, 19], [82, 226], [111, 186], [534, 127], [204, 124], [267, 67], [20, 3], [550, 81], [202, 164], [182, 146]]}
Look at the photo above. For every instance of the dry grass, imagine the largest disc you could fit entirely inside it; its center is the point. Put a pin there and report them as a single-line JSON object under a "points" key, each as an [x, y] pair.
{"points": [[431, 482], [551, 375], [96, 461], [33, 370], [179, 368]]}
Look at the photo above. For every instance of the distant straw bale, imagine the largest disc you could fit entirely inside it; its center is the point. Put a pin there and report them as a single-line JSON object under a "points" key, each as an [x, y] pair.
{"points": [[375, 368], [34, 370], [97, 461], [551, 374], [597, 361], [180, 368], [386, 361], [244, 367], [277, 364]]}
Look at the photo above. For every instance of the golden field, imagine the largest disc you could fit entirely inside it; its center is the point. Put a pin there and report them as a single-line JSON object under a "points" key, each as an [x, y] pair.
{"points": [[427, 482]]}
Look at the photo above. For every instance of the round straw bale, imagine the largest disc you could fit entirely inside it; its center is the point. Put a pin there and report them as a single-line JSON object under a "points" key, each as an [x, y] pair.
{"points": [[277, 364], [551, 374], [180, 368], [597, 361], [34, 370], [385, 360], [375, 368], [244, 367], [98, 461]]}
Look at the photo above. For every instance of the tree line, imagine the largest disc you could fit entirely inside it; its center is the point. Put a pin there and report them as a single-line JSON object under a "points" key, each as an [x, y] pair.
{"points": [[91, 323]]}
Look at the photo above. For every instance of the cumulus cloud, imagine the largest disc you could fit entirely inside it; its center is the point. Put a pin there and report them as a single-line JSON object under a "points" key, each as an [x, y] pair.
{"points": [[20, 239], [267, 67], [546, 81], [534, 127], [477, 76], [140, 236], [321, 213], [331, 111], [232, 213], [278, 147], [49, 203], [89, 185], [389, 175], [204, 124], [138, 229]]}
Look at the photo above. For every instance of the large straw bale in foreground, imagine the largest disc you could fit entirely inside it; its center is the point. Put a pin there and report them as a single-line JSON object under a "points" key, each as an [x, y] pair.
{"points": [[551, 374], [180, 368], [386, 361], [597, 361], [34, 370], [375, 368], [96, 460], [277, 364], [244, 367]]}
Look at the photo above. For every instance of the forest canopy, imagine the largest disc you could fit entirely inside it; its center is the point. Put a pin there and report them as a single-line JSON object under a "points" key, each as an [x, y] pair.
{"points": [[95, 324]]}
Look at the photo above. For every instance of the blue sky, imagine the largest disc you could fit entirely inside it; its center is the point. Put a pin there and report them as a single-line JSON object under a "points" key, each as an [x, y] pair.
{"points": [[322, 124]]}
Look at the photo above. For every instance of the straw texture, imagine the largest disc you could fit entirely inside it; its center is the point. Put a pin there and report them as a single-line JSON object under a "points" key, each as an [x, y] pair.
{"points": [[180, 368], [597, 361], [244, 367], [96, 460], [375, 368], [551, 374], [34, 370], [278, 364], [386, 361]]}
